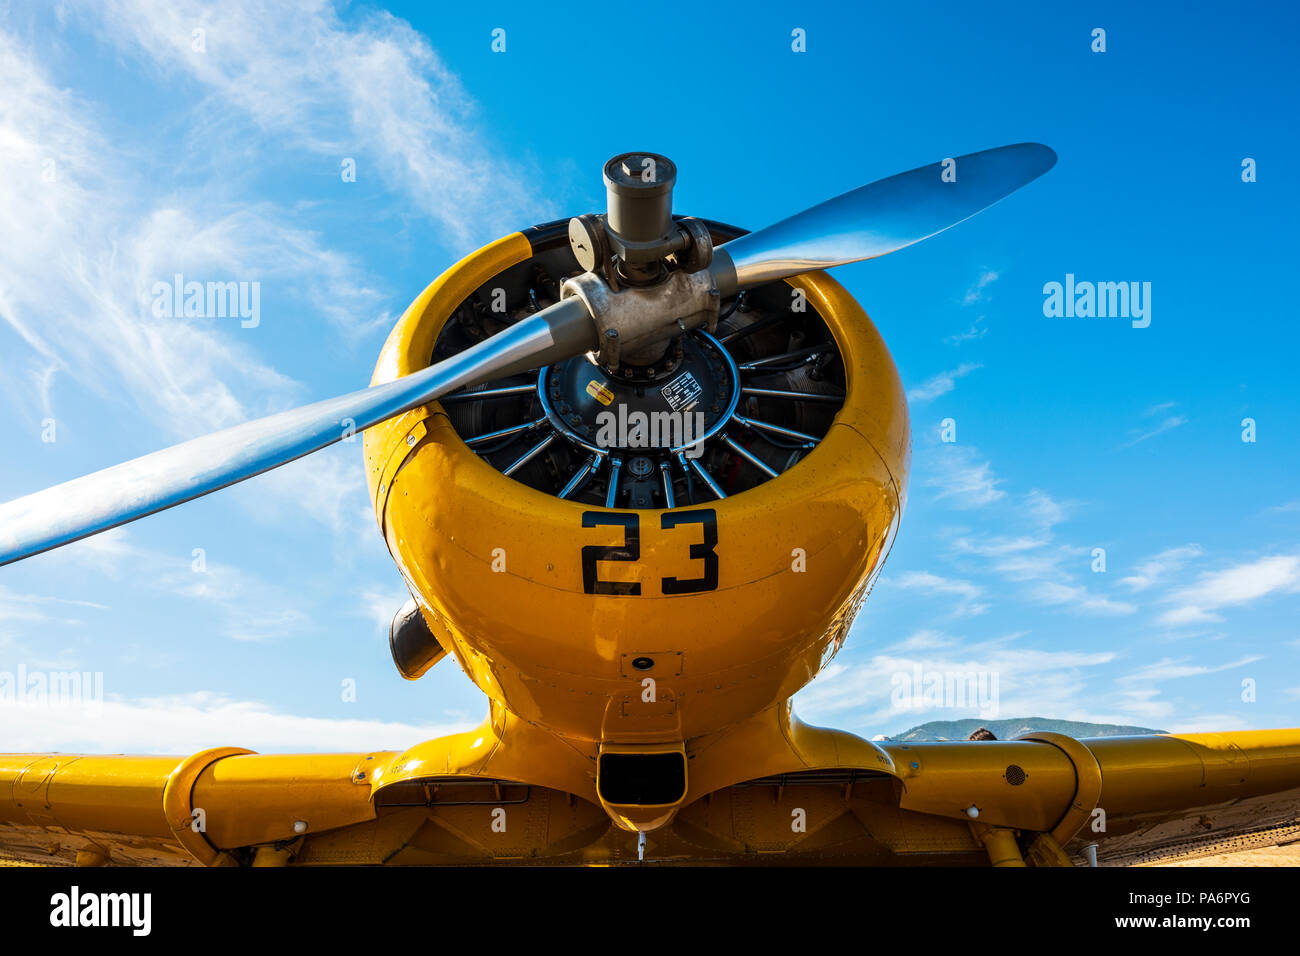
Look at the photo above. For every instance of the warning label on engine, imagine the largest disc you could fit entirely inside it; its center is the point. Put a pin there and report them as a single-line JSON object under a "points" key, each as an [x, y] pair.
{"points": [[682, 393], [600, 392]]}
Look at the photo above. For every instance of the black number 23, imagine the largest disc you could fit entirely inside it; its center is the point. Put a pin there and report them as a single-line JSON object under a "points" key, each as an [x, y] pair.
{"points": [[630, 550]]}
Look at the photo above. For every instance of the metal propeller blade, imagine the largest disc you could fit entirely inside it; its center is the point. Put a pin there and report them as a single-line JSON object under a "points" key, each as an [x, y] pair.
{"points": [[879, 218], [870, 221], [105, 499]]}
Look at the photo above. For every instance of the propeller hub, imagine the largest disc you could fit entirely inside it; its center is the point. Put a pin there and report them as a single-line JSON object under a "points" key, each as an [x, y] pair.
{"points": [[646, 280], [639, 196], [632, 242]]}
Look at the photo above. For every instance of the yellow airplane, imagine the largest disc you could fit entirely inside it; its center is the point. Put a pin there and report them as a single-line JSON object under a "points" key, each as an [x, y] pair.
{"points": [[639, 473]]}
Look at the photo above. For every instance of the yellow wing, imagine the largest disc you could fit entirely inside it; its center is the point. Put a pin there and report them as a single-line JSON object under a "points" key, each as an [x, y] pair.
{"points": [[1042, 799], [176, 810], [1136, 799]]}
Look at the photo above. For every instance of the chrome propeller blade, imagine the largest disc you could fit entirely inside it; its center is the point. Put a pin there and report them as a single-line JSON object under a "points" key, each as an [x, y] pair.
{"points": [[870, 221], [879, 218], [105, 499]]}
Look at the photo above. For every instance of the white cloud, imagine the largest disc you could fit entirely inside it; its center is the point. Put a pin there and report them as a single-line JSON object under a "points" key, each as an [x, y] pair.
{"points": [[965, 593], [15, 606], [977, 330], [1171, 669], [104, 555], [242, 605], [997, 546], [962, 479], [330, 487], [188, 723], [1030, 560], [976, 292], [1036, 566], [1231, 587], [1077, 597], [923, 640], [1156, 569], [372, 89], [380, 605], [76, 288], [1169, 424], [941, 384], [1043, 510], [1027, 681], [77, 291]]}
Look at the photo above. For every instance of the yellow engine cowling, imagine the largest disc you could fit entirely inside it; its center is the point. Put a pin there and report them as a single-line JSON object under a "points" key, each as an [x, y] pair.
{"points": [[496, 566]]}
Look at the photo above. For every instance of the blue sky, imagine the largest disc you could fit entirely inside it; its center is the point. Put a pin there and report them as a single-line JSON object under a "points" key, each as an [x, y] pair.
{"points": [[129, 156]]}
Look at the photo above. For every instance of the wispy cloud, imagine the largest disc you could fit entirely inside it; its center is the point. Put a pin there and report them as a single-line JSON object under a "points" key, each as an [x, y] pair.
{"points": [[1029, 681], [1043, 510], [76, 290], [962, 479], [1172, 669], [1168, 423], [1234, 586], [379, 605], [976, 292], [965, 595], [39, 608], [1078, 598], [371, 88], [976, 330], [923, 640], [243, 605], [997, 546], [1044, 571], [188, 723], [1156, 569], [941, 384], [1036, 565]]}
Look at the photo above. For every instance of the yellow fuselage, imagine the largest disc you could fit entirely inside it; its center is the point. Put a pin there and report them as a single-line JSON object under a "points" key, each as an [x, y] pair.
{"points": [[497, 567]]}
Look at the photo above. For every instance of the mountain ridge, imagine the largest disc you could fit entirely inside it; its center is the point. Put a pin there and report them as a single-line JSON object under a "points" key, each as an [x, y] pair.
{"points": [[1013, 727]]}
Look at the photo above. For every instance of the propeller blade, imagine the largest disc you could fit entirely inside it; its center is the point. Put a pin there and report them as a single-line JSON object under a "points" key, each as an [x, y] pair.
{"points": [[105, 499], [870, 221], [878, 218]]}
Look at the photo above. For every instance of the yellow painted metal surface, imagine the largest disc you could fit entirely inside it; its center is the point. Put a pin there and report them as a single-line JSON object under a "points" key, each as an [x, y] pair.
{"points": [[382, 807], [795, 555], [242, 799], [1001, 845], [294, 795], [505, 747], [1153, 773], [118, 793], [186, 826], [1087, 786], [1100, 788], [947, 779]]}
